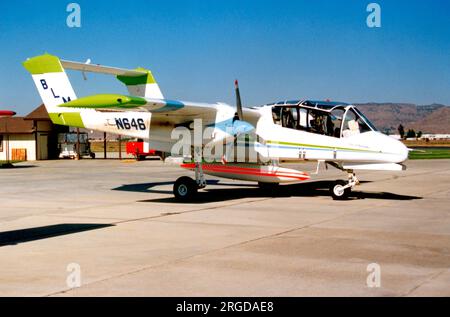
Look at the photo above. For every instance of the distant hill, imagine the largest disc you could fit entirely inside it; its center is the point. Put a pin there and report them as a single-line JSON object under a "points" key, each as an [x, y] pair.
{"points": [[434, 118]]}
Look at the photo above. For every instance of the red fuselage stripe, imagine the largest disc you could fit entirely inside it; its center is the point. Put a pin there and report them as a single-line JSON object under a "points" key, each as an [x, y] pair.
{"points": [[247, 171], [228, 167]]}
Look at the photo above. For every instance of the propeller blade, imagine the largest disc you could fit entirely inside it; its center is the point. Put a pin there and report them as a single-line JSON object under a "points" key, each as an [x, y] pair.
{"points": [[238, 101]]}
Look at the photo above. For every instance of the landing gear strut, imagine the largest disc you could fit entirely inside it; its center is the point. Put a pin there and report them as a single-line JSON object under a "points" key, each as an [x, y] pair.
{"points": [[341, 189]]}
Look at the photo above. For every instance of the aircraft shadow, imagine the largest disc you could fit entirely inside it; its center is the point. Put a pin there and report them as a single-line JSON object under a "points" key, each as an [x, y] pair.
{"points": [[149, 187], [17, 166], [310, 189], [38, 233]]}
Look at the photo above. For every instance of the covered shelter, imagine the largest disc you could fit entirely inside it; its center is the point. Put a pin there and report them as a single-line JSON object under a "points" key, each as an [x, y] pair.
{"points": [[29, 138]]}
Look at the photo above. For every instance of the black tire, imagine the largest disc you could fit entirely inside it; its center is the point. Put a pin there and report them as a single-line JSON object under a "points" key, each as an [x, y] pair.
{"points": [[185, 189], [337, 192]]}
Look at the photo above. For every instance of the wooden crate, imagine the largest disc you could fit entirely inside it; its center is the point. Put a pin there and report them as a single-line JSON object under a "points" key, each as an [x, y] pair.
{"points": [[19, 155]]}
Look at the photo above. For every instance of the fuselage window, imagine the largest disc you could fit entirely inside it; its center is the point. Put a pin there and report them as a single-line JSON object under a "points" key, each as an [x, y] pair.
{"points": [[335, 123], [310, 120], [303, 120], [317, 122], [288, 117]]}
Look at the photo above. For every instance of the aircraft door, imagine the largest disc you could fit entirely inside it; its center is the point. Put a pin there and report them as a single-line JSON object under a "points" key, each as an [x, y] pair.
{"points": [[289, 117], [334, 122]]}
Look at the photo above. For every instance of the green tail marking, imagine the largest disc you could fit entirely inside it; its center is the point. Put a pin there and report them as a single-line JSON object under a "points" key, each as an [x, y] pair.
{"points": [[138, 80], [43, 64], [72, 119]]}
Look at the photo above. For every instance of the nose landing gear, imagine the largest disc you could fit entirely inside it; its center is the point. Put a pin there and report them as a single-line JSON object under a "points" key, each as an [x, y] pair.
{"points": [[341, 189]]}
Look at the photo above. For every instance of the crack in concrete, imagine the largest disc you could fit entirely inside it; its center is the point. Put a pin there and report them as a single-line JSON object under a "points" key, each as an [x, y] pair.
{"points": [[431, 278]]}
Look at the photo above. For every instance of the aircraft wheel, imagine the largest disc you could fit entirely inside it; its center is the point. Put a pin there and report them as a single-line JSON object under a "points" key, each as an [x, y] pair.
{"points": [[185, 188], [338, 192]]}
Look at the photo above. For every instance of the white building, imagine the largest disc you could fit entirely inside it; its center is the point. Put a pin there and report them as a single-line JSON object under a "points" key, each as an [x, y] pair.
{"points": [[29, 138]]}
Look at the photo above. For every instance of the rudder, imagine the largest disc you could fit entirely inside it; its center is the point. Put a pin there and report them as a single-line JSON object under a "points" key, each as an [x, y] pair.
{"points": [[54, 88]]}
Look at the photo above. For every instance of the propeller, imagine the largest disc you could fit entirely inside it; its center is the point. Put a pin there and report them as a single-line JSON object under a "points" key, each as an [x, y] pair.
{"points": [[240, 128], [240, 115]]}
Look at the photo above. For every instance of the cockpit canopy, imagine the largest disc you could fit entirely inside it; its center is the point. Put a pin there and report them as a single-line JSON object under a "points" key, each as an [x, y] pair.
{"points": [[336, 119]]}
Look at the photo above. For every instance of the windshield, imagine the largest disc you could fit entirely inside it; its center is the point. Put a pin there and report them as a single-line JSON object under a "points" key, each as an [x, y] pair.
{"points": [[355, 123], [370, 124], [337, 122]]}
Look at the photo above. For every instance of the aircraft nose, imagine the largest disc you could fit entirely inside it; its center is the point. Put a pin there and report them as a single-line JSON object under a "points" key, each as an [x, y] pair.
{"points": [[403, 151], [396, 148]]}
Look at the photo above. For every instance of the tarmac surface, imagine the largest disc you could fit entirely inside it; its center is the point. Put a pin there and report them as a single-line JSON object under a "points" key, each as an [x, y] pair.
{"points": [[118, 226]]}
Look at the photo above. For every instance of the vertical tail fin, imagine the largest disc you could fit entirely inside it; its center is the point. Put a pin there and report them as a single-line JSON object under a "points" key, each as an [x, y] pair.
{"points": [[51, 81], [54, 88]]}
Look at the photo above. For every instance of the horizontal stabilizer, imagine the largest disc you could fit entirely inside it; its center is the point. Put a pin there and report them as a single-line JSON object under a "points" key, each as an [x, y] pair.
{"points": [[139, 81], [102, 69]]}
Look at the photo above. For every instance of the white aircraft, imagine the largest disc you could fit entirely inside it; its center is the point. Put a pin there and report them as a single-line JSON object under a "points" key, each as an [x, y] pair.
{"points": [[329, 133]]}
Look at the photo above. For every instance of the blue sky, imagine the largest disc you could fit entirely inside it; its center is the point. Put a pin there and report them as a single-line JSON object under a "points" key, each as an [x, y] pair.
{"points": [[277, 49]]}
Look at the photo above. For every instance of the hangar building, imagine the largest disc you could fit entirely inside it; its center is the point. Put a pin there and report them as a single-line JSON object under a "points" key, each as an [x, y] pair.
{"points": [[33, 137]]}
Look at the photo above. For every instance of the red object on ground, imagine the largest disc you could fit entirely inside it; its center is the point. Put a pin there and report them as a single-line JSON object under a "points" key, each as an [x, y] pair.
{"points": [[137, 149], [7, 113]]}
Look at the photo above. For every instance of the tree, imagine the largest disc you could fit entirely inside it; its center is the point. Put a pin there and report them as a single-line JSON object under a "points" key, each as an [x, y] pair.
{"points": [[411, 134], [401, 131], [419, 134]]}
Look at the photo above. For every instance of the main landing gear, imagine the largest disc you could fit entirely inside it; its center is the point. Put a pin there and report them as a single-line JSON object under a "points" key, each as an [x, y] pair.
{"points": [[341, 189], [185, 188]]}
